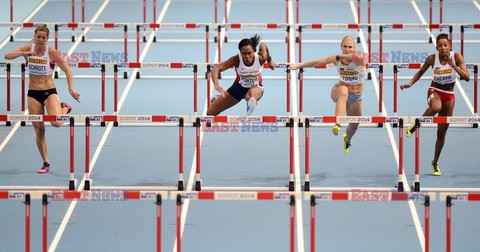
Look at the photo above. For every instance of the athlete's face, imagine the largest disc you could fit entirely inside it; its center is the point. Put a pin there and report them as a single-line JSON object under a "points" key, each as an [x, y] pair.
{"points": [[443, 47], [348, 46], [40, 38], [248, 54]]}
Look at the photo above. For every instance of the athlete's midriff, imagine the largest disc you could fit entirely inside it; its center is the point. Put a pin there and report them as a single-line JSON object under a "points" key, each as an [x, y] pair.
{"points": [[40, 82], [445, 87], [353, 89]]}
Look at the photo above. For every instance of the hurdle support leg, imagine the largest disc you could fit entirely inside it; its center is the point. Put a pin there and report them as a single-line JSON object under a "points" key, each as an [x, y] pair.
{"points": [[159, 222], [44, 222], [71, 184], [8, 123], [449, 223], [198, 181], [27, 222], [87, 154], [307, 155], [291, 183], [292, 223], [416, 186], [427, 223], [179, 223], [180, 155], [400, 155], [312, 223]]}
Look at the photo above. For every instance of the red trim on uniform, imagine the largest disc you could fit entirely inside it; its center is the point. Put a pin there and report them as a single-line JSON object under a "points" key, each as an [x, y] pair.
{"points": [[444, 97], [265, 65], [3, 194], [206, 195], [265, 196], [176, 65]]}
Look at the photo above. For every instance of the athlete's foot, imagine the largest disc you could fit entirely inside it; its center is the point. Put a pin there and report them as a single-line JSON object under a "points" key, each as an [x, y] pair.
{"points": [[45, 168], [410, 130], [251, 104], [66, 105], [436, 170], [346, 146], [336, 129]]}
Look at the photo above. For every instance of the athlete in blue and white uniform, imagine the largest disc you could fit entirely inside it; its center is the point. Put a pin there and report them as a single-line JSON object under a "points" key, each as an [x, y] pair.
{"points": [[40, 62], [440, 95], [248, 66], [347, 92]]}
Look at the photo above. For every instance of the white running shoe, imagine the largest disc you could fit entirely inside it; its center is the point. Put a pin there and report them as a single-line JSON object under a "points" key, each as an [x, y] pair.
{"points": [[251, 104]]}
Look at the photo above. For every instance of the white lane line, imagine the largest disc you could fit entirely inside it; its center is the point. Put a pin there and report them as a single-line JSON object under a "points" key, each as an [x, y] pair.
{"points": [[419, 13], [413, 210], [72, 206], [191, 177], [476, 4], [297, 172]]}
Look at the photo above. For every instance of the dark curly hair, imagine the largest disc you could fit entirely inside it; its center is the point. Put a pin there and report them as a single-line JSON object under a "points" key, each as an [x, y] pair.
{"points": [[253, 41]]}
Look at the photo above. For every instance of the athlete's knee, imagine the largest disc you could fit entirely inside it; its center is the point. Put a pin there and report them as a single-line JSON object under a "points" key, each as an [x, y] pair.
{"points": [[56, 124], [40, 131], [353, 126]]}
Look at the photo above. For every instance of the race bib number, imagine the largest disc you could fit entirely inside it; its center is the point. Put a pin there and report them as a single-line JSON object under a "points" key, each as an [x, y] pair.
{"points": [[248, 81]]}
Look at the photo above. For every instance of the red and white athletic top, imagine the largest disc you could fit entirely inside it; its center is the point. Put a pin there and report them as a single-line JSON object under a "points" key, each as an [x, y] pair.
{"points": [[351, 74], [444, 74], [40, 65], [249, 76]]}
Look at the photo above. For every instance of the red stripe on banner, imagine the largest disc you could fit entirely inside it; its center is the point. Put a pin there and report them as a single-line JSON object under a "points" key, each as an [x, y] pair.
{"points": [[220, 118], [134, 65], [414, 66], [400, 196], [108, 25], [317, 26], [269, 118], [476, 26], [132, 195], [154, 25], [109, 118], [265, 196], [471, 197], [352, 26], [27, 24], [434, 26], [272, 26], [72, 194], [339, 195], [236, 26], [176, 65], [330, 119], [49, 118], [379, 119], [206, 195], [84, 65], [321, 66], [3, 117], [397, 26], [159, 118], [72, 25], [440, 119], [3, 194], [191, 26]]}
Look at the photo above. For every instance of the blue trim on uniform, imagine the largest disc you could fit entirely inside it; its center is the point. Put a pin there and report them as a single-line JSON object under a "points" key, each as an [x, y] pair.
{"points": [[238, 92]]}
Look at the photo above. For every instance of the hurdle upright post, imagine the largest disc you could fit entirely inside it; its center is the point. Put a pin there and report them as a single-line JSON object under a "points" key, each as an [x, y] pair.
{"points": [[195, 88], [449, 223], [307, 155], [71, 185], [145, 19], [8, 123], [73, 20], [208, 76], [159, 222], [369, 75], [115, 88], [198, 182], [56, 36], [180, 154], [400, 155], [103, 88], [475, 90], [358, 21], [395, 89], [427, 223], [154, 20], [44, 222], [430, 21], [125, 48], [312, 222], [300, 100], [416, 187], [288, 90], [23, 89], [179, 223], [291, 183], [292, 223], [87, 154], [462, 33], [380, 92], [83, 20], [27, 222], [450, 35], [207, 36], [11, 20]]}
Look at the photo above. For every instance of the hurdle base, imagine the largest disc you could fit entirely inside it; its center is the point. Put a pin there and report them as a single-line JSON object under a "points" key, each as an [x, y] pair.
{"points": [[369, 76], [73, 38], [400, 186], [87, 185], [380, 125], [225, 39], [55, 75], [71, 185], [306, 187], [198, 185], [416, 187], [137, 76], [180, 185], [475, 125], [154, 39], [395, 125], [23, 123], [8, 123], [144, 39], [215, 39], [296, 39], [125, 75], [430, 40], [115, 124], [102, 124], [291, 186], [358, 40], [11, 38]]}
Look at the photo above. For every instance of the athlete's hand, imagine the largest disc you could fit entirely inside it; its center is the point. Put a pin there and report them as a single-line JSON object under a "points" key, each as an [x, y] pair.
{"points": [[405, 86], [74, 94], [292, 67], [272, 64]]}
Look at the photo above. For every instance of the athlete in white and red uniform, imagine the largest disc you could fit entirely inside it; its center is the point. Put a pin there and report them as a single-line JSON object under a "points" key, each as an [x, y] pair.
{"points": [[40, 61], [440, 96], [248, 66]]}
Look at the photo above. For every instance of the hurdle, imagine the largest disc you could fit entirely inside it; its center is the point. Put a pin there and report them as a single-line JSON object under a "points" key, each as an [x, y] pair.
{"points": [[372, 121], [208, 121]]}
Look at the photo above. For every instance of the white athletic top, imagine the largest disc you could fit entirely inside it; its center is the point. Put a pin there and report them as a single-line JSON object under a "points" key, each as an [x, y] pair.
{"points": [[352, 74], [40, 65], [249, 76], [444, 74]]}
